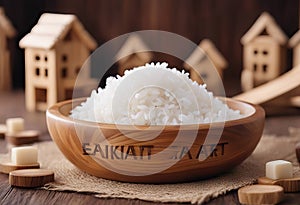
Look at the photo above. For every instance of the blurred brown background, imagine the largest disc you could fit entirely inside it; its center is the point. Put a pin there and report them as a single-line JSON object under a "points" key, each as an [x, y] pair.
{"points": [[224, 22]]}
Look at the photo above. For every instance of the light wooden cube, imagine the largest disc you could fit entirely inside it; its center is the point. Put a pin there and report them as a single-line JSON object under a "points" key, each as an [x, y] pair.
{"points": [[279, 169], [15, 124], [24, 155]]}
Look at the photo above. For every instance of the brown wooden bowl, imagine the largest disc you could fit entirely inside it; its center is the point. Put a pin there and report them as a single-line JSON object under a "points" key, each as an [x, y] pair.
{"points": [[174, 154]]}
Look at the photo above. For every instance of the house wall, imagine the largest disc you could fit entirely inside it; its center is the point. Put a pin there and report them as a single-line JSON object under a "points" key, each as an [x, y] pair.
{"points": [[296, 55], [5, 70], [204, 73], [202, 69], [133, 61], [263, 56], [71, 55], [40, 74]]}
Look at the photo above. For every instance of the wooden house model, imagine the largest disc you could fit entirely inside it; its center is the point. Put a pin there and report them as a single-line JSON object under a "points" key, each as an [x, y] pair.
{"points": [[202, 62], [294, 43], [133, 53], [55, 50], [264, 52], [7, 31]]}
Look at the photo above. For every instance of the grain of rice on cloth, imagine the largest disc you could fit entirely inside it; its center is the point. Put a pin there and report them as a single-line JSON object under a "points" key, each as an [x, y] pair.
{"points": [[153, 95]]}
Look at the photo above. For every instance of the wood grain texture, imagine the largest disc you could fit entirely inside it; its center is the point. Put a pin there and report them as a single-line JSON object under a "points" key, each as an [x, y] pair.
{"points": [[260, 194], [7, 32], [17, 196], [30, 178], [289, 185], [273, 89], [23, 137], [7, 167], [238, 140]]}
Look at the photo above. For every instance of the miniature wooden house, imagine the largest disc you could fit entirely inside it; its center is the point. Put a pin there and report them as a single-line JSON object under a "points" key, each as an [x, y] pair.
{"points": [[55, 50], [130, 54], [7, 31], [294, 43], [201, 64], [264, 52]]}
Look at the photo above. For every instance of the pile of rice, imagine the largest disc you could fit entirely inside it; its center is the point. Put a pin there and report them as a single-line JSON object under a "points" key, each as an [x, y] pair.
{"points": [[153, 95]]}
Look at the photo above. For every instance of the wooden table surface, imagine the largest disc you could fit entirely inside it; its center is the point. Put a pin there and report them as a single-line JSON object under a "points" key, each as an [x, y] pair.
{"points": [[12, 105]]}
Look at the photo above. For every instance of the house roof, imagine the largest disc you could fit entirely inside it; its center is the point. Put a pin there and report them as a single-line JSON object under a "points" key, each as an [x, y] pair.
{"points": [[294, 40], [265, 22], [53, 27], [133, 45], [5, 25], [207, 48]]}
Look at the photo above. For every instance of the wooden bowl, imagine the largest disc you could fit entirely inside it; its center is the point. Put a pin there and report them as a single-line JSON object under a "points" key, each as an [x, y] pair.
{"points": [[175, 154]]}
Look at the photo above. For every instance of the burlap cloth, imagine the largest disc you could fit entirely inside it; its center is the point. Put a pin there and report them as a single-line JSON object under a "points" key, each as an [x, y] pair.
{"points": [[68, 177]]}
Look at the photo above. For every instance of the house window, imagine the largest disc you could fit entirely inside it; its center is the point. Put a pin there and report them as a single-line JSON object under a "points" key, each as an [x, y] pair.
{"points": [[46, 58], [265, 52], [46, 72], [64, 58], [265, 68], [254, 67], [64, 72], [37, 71], [37, 58], [255, 51]]}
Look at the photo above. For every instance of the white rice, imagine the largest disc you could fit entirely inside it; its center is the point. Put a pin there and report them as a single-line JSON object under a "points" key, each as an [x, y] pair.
{"points": [[153, 95]]}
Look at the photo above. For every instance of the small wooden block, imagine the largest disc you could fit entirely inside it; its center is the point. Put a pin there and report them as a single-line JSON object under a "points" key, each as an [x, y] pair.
{"points": [[279, 169], [30, 178], [3, 130], [15, 124], [260, 194], [23, 137], [289, 185], [297, 149], [9, 167], [24, 155]]}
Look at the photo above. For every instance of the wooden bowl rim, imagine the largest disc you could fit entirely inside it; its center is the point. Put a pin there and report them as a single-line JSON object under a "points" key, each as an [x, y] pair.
{"points": [[55, 112]]}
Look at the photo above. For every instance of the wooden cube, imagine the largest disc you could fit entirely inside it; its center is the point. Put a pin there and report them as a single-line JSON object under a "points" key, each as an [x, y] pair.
{"points": [[15, 124], [24, 155], [279, 169]]}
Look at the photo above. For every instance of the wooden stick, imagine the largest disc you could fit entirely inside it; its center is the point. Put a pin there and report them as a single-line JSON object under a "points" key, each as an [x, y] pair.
{"points": [[295, 101], [272, 89]]}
